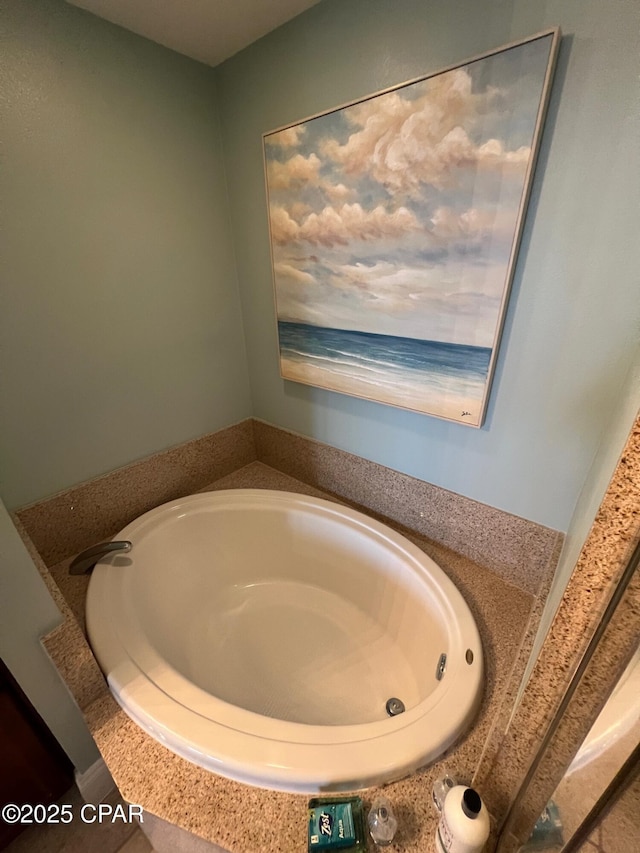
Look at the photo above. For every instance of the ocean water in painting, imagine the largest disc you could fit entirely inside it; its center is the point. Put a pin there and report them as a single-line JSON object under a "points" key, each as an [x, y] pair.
{"points": [[403, 371]]}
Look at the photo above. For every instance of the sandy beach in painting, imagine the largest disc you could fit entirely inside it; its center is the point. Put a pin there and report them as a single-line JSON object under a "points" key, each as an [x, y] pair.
{"points": [[321, 377]]}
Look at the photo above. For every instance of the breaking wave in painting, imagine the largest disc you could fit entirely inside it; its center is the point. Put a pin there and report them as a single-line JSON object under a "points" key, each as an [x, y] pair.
{"points": [[437, 378]]}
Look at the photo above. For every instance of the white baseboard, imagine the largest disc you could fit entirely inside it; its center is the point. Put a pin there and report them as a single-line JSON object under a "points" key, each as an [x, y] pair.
{"points": [[96, 783]]}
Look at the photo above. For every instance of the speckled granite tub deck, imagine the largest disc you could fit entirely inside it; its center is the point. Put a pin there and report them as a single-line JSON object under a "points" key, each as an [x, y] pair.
{"points": [[236, 817]]}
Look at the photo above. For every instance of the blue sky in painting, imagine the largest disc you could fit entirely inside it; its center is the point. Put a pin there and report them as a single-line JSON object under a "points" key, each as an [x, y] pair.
{"points": [[397, 215]]}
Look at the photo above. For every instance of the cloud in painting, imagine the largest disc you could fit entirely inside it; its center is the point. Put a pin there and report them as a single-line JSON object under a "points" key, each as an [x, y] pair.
{"points": [[474, 226], [397, 215], [391, 299], [284, 229], [406, 143], [337, 192], [295, 171], [290, 137], [297, 276], [334, 226]]}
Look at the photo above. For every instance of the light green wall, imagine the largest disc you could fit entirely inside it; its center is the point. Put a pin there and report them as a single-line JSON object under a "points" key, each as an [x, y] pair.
{"points": [[606, 459], [119, 317], [574, 314], [120, 324]]}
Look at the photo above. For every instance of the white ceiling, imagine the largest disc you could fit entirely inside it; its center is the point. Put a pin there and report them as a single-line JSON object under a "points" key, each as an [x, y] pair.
{"points": [[207, 30]]}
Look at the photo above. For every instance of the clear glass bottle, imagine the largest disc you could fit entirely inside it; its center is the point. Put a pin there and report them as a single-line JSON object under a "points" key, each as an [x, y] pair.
{"points": [[441, 788], [382, 822]]}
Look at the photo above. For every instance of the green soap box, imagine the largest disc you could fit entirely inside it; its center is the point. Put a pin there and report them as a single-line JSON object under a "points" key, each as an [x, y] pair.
{"points": [[336, 824]]}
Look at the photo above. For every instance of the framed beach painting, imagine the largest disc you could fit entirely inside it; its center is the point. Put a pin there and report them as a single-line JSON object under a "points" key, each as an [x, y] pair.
{"points": [[394, 225]]}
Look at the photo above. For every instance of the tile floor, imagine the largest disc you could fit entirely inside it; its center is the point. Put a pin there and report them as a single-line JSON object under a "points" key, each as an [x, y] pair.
{"points": [[619, 831], [79, 837]]}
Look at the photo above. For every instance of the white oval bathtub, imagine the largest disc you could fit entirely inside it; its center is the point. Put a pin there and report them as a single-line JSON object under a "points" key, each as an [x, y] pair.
{"points": [[260, 634]]}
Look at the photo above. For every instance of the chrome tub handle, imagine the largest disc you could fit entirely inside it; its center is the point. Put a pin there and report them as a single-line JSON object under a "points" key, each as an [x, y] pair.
{"points": [[87, 559]]}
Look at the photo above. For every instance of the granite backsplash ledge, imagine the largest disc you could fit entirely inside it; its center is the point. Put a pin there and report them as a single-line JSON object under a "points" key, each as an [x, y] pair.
{"points": [[67, 522], [519, 551]]}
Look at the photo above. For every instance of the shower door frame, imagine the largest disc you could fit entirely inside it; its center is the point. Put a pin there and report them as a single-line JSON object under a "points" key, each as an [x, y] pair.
{"points": [[593, 635]]}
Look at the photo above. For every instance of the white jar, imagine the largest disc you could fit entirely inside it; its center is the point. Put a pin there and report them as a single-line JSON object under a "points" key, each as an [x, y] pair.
{"points": [[464, 825]]}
